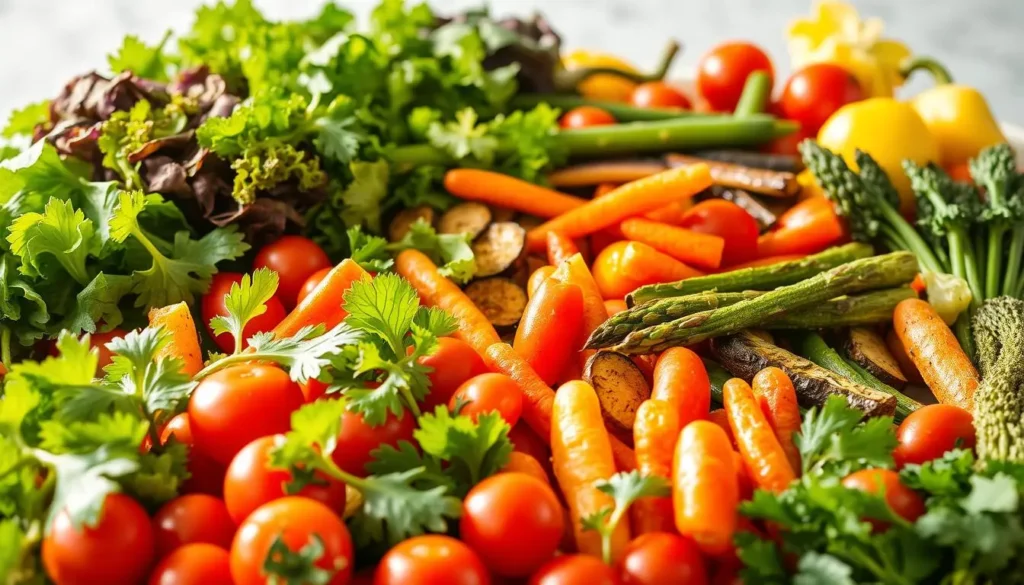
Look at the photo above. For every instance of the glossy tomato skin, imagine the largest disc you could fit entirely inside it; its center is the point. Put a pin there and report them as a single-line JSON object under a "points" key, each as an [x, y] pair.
{"points": [[193, 564], [931, 431], [432, 559], [296, 520], [576, 569], [658, 94], [662, 558], [295, 259], [99, 340], [513, 521], [723, 71], [453, 362], [122, 532], [206, 476], [903, 501], [311, 283], [250, 482], [815, 92], [585, 117], [240, 403], [190, 519], [213, 306], [488, 393], [357, 439], [729, 221], [313, 390]]}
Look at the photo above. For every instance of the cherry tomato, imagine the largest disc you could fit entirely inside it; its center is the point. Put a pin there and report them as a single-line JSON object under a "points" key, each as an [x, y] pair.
{"points": [[453, 362], [658, 94], [513, 521], [99, 340], [931, 431], [73, 555], [728, 220], [586, 116], [213, 306], [190, 519], [815, 92], [661, 558], [432, 559], [576, 569], [297, 521], [903, 501], [250, 482], [193, 564], [525, 440], [357, 438], [294, 259], [206, 476], [311, 283], [240, 403], [722, 72], [490, 392]]}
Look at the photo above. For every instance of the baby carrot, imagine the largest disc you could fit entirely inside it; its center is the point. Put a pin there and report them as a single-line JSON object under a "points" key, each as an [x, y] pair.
{"points": [[550, 331], [323, 305], [438, 291], [763, 455], [625, 266], [655, 433], [582, 456], [634, 198], [721, 418], [705, 494], [807, 228], [505, 191], [537, 278], [604, 189], [681, 379], [560, 248], [183, 342], [935, 351], [575, 271], [773, 387], [519, 462], [694, 248], [902, 357]]}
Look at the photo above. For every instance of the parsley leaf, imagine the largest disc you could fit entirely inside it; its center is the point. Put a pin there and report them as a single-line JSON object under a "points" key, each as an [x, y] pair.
{"points": [[363, 197], [84, 481], [464, 138], [385, 307], [60, 232], [141, 59], [624, 488], [834, 434], [368, 250], [23, 121], [472, 450], [451, 252], [245, 301]]}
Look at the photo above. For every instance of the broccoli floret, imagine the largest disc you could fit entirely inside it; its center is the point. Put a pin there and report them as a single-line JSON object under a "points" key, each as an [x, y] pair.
{"points": [[999, 400], [1002, 214]]}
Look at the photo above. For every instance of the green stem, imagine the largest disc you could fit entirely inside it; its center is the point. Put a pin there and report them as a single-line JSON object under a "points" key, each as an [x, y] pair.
{"points": [[622, 112], [913, 240], [1012, 279], [413, 407], [937, 70], [994, 266], [5, 347], [965, 266], [962, 330], [608, 530], [754, 98]]}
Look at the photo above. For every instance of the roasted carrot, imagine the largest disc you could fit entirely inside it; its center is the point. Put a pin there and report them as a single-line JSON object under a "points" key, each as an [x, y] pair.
{"points": [[763, 455], [624, 266], [575, 271], [935, 351], [582, 456], [721, 418], [560, 248], [438, 291], [631, 199], [183, 343], [586, 174], [537, 278], [519, 462], [614, 306], [806, 228], [777, 397], [693, 248], [705, 494], [324, 304], [681, 379], [550, 330], [902, 358], [505, 191], [655, 433], [763, 262]]}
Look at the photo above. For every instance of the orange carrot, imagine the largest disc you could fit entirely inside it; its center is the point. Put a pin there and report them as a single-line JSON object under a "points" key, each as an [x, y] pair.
{"points": [[549, 333], [902, 358], [763, 455], [635, 198], [655, 433], [520, 462], [537, 279], [705, 494], [624, 266], [183, 343], [604, 172], [763, 262], [694, 248], [806, 228], [582, 456], [324, 304], [780, 407], [672, 214], [742, 477], [560, 248], [721, 418], [918, 284], [505, 191], [935, 351], [438, 291], [681, 380], [604, 189], [614, 306], [575, 271]]}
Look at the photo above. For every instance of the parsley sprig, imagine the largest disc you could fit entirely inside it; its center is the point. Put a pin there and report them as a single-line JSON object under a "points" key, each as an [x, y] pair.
{"points": [[624, 488]]}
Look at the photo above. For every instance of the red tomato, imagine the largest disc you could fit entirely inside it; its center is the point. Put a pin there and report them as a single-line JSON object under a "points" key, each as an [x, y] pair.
{"points": [[490, 392], [575, 569], [240, 403], [661, 558], [525, 440], [931, 431], [903, 501], [99, 340], [297, 521], [74, 555], [213, 306], [311, 283], [357, 439], [586, 116], [206, 476], [815, 92], [453, 362], [728, 220], [189, 519], [658, 94], [723, 71], [294, 259], [432, 559], [250, 482], [193, 564], [313, 390], [513, 521]]}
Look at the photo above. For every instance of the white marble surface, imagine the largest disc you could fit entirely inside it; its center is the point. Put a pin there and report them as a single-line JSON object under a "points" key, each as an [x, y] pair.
{"points": [[44, 42]]}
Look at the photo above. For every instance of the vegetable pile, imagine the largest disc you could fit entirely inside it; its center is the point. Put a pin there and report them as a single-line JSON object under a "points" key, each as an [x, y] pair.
{"points": [[310, 303]]}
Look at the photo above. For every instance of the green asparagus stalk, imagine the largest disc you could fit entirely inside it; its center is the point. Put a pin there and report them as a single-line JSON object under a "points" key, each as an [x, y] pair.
{"points": [[622, 112], [755, 94], [757, 278], [889, 270], [864, 309]]}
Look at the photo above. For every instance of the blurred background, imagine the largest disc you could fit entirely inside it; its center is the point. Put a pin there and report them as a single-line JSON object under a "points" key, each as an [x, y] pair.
{"points": [[44, 42]]}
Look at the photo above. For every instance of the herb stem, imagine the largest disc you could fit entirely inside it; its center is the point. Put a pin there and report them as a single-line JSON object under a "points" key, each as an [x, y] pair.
{"points": [[608, 530], [5, 347]]}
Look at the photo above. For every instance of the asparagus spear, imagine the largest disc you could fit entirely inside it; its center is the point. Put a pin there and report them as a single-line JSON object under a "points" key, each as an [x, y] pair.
{"points": [[889, 270], [864, 309], [757, 278]]}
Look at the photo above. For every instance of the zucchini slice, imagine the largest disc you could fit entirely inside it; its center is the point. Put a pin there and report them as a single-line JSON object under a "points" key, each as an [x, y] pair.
{"points": [[620, 385], [499, 249], [470, 218], [501, 300]]}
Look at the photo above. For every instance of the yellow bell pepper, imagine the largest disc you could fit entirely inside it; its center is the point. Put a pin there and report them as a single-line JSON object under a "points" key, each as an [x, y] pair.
{"points": [[602, 86]]}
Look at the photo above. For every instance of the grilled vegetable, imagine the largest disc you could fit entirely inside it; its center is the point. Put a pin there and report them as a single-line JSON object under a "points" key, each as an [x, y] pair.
{"points": [[499, 248], [765, 217], [621, 387], [863, 309], [999, 401], [403, 220], [589, 174], [465, 218], [501, 300], [770, 162], [867, 348], [500, 214], [773, 183]]}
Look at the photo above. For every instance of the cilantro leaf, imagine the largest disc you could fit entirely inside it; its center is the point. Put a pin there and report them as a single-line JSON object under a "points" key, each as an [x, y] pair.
{"points": [[84, 482], [141, 59], [435, 321], [368, 251], [120, 429], [39, 170], [363, 197], [472, 450], [23, 121], [245, 301], [98, 302], [624, 488], [388, 459], [282, 563], [834, 434], [451, 252], [393, 511], [304, 354], [815, 568], [464, 138], [404, 384], [61, 232], [159, 476], [385, 307]]}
